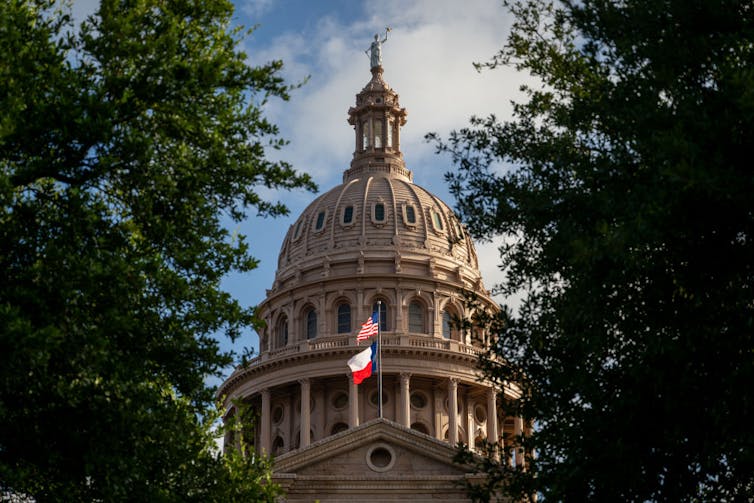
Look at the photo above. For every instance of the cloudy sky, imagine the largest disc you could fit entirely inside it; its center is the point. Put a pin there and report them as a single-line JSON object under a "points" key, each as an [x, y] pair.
{"points": [[427, 59]]}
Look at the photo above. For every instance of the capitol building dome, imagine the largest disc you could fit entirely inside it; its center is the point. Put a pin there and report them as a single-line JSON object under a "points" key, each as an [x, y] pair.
{"points": [[377, 243]]}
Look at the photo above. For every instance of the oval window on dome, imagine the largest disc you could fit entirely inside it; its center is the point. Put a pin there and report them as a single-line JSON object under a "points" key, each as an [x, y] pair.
{"points": [[347, 215]]}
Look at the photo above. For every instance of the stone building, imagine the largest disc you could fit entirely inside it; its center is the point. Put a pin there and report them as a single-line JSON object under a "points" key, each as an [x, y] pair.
{"points": [[376, 242]]}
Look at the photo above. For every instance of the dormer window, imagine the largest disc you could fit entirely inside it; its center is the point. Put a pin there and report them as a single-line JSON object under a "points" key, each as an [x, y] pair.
{"points": [[297, 234], [409, 214], [378, 213], [347, 216], [436, 220], [320, 223]]}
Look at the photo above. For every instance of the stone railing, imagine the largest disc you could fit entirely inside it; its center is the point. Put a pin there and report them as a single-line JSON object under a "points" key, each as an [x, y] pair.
{"points": [[415, 341]]}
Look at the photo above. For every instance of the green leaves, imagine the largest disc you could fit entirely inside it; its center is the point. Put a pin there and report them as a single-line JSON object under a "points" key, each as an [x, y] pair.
{"points": [[626, 202], [121, 145]]}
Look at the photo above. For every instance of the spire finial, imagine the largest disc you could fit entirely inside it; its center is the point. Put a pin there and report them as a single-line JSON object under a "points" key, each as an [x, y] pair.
{"points": [[375, 50]]}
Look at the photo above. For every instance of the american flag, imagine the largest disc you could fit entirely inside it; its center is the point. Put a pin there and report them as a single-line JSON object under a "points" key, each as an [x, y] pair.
{"points": [[369, 328]]}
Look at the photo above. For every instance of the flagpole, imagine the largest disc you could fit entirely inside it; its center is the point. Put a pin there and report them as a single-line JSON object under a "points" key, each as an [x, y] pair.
{"points": [[379, 357]]}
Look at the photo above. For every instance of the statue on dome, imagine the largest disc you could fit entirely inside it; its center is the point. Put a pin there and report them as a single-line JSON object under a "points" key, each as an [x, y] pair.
{"points": [[375, 50]]}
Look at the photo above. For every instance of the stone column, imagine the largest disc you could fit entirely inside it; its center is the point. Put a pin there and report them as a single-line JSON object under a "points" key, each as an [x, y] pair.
{"points": [[438, 412], [305, 412], [518, 428], [491, 415], [264, 438], [453, 411], [353, 403], [405, 410]]}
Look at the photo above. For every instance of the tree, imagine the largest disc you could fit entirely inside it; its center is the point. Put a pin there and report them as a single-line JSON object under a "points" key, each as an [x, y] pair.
{"points": [[123, 143], [623, 186]]}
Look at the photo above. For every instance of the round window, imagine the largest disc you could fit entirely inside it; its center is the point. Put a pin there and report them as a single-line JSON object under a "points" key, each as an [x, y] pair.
{"points": [[418, 400], [339, 400], [380, 458]]}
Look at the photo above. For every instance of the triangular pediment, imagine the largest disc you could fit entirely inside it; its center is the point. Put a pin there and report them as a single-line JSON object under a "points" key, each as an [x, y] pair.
{"points": [[380, 448]]}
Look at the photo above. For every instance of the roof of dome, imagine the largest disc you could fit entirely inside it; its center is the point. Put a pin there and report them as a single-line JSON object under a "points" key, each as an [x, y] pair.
{"points": [[347, 218]]}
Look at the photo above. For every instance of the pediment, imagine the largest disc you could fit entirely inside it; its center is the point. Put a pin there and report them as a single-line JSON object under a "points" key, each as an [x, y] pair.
{"points": [[379, 448]]}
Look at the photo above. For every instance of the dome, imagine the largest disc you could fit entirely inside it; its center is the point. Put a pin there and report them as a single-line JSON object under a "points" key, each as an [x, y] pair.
{"points": [[380, 216]]}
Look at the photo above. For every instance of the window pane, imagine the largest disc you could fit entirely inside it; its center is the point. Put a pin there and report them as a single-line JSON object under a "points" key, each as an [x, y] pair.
{"points": [[383, 315], [437, 219], [379, 212], [348, 215], [344, 318], [415, 317], [320, 220], [364, 135], [389, 132], [283, 332], [378, 133], [311, 324], [446, 327], [410, 214]]}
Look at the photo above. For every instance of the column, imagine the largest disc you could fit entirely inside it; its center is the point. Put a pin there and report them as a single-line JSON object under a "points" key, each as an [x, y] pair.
{"points": [[438, 412], [518, 428], [305, 412], [353, 403], [491, 415], [264, 438], [453, 411], [405, 410]]}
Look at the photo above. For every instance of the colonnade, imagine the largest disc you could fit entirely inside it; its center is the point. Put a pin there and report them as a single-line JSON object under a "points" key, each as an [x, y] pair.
{"points": [[403, 412]]}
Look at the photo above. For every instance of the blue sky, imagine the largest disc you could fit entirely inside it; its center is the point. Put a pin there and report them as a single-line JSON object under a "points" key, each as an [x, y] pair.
{"points": [[427, 60]]}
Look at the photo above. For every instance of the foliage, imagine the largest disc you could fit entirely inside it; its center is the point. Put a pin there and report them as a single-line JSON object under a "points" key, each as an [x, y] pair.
{"points": [[623, 186], [123, 143]]}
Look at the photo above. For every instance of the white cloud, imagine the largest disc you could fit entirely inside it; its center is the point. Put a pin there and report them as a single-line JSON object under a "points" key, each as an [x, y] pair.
{"points": [[256, 8]]}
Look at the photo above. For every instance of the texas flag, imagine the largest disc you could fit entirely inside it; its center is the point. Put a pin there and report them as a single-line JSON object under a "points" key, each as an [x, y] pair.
{"points": [[363, 364]]}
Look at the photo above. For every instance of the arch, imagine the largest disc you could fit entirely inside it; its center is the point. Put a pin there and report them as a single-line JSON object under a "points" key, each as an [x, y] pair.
{"points": [[416, 317], [420, 427], [278, 446], [343, 318], [338, 427], [451, 323], [281, 332]]}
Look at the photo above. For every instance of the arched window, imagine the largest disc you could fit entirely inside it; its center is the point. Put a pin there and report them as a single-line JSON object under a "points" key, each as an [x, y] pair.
{"points": [[311, 324], [447, 327], [282, 332], [415, 317], [344, 318], [382, 308], [377, 133], [364, 135]]}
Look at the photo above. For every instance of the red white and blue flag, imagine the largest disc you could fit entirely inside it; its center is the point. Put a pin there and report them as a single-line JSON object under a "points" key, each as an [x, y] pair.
{"points": [[369, 328], [364, 363]]}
